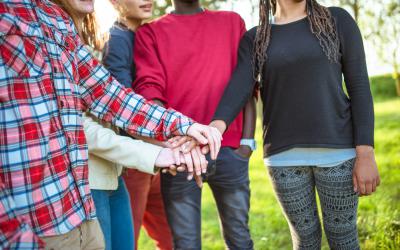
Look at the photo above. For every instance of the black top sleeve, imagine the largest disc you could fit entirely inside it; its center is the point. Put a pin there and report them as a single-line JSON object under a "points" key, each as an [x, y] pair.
{"points": [[240, 86], [118, 59], [355, 73]]}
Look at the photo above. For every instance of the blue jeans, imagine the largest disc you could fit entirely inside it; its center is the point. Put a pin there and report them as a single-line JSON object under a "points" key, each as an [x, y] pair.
{"points": [[115, 217], [230, 187]]}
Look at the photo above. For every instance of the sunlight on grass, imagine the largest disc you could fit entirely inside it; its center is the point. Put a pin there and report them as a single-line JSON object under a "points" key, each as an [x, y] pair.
{"points": [[379, 215]]}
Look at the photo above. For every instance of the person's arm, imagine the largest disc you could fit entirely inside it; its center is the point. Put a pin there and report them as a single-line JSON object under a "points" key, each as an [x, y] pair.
{"points": [[105, 143], [150, 81], [249, 126], [365, 175], [118, 57], [239, 89], [15, 233]]}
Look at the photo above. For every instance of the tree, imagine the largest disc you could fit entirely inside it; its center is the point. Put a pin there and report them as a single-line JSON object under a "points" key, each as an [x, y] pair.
{"points": [[355, 7], [385, 34], [162, 7]]}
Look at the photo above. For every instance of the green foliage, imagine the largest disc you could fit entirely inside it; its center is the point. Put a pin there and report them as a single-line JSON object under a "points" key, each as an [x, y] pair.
{"points": [[379, 215], [162, 7], [383, 87]]}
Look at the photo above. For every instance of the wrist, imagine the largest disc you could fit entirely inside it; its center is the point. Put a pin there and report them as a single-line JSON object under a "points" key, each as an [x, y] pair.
{"points": [[250, 143], [219, 124], [364, 151]]}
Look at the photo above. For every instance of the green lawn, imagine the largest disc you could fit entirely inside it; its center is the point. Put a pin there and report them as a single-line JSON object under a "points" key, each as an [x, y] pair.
{"points": [[379, 215]]}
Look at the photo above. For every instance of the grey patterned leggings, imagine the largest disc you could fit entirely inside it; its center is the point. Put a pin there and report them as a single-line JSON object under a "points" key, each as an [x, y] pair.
{"points": [[295, 189]]}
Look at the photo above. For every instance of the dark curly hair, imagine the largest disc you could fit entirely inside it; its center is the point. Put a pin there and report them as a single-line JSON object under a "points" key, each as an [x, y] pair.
{"points": [[322, 26]]}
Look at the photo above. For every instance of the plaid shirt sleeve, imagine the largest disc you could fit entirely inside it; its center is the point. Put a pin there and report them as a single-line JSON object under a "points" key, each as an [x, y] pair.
{"points": [[14, 232], [105, 98]]}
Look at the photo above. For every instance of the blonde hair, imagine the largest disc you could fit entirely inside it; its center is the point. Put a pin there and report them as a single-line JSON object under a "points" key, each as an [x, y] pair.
{"points": [[90, 31]]}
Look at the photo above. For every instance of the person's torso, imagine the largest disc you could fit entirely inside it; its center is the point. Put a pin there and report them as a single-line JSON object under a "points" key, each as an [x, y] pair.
{"points": [[199, 54], [43, 136], [303, 98]]}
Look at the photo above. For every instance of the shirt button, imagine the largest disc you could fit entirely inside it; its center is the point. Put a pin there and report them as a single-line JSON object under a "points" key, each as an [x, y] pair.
{"points": [[62, 104], [55, 70]]}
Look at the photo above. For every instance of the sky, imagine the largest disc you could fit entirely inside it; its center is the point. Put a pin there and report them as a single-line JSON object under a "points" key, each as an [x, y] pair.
{"points": [[106, 17]]}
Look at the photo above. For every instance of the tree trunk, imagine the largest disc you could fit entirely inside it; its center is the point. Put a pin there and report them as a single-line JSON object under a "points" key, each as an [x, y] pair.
{"points": [[356, 10]]}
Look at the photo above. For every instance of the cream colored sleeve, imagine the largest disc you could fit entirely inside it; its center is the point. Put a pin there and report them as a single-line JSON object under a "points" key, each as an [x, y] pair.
{"points": [[105, 143]]}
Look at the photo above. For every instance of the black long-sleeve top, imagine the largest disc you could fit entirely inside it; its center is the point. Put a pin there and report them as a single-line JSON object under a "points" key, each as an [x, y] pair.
{"points": [[304, 104]]}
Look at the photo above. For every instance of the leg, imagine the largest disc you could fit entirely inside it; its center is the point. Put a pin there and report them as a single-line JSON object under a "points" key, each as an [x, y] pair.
{"points": [[122, 234], [138, 185], [182, 201], [102, 204], [155, 220], [339, 205], [230, 186], [295, 190]]}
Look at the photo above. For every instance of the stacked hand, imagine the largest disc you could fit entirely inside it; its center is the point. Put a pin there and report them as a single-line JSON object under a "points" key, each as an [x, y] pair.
{"points": [[187, 153]]}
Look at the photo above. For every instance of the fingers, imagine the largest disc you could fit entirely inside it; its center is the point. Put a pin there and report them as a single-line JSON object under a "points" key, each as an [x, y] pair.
{"points": [[361, 187], [177, 156], [189, 164], [196, 131], [199, 181], [188, 146], [172, 170], [178, 141], [368, 188], [205, 150], [211, 144], [355, 183], [196, 162], [203, 161], [374, 186]]}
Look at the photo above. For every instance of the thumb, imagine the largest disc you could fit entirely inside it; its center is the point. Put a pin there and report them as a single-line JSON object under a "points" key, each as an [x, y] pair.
{"points": [[355, 183]]}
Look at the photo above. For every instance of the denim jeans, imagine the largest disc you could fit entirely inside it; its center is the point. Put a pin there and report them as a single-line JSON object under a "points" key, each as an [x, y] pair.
{"points": [[230, 187], [114, 214]]}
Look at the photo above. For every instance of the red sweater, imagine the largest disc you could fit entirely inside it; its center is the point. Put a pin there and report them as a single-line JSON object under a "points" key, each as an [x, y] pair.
{"points": [[186, 62]]}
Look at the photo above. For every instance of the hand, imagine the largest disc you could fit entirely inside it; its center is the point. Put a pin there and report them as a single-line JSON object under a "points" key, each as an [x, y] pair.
{"points": [[365, 173], [170, 160], [178, 141], [206, 135], [244, 151], [219, 124]]}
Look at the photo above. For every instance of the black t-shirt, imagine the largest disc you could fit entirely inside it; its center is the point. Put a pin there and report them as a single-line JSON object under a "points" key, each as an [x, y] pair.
{"points": [[304, 104]]}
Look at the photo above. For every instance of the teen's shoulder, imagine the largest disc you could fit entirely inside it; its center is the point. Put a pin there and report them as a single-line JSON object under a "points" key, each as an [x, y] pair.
{"points": [[339, 13]]}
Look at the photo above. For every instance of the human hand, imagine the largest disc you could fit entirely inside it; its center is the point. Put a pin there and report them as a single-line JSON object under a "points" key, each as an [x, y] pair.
{"points": [[170, 160], [365, 173], [206, 135], [244, 151]]}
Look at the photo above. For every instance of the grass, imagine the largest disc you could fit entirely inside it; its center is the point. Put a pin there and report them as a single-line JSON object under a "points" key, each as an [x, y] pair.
{"points": [[379, 215]]}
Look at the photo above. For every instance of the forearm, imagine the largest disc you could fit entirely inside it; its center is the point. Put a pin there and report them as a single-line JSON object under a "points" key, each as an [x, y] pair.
{"points": [[105, 143], [240, 86], [151, 140], [249, 119]]}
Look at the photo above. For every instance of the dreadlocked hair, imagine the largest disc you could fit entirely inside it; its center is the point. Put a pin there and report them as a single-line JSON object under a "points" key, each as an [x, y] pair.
{"points": [[322, 26]]}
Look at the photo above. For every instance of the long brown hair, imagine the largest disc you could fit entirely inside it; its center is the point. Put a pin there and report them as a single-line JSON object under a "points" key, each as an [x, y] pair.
{"points": [[322, 26], [90, 31]]}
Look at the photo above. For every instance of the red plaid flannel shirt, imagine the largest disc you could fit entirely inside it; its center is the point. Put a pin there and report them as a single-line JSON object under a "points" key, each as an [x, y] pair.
{"points": [[47, 79]]}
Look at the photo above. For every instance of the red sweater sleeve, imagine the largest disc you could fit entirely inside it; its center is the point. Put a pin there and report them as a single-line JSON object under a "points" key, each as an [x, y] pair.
{"points": [[150, 75]]}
